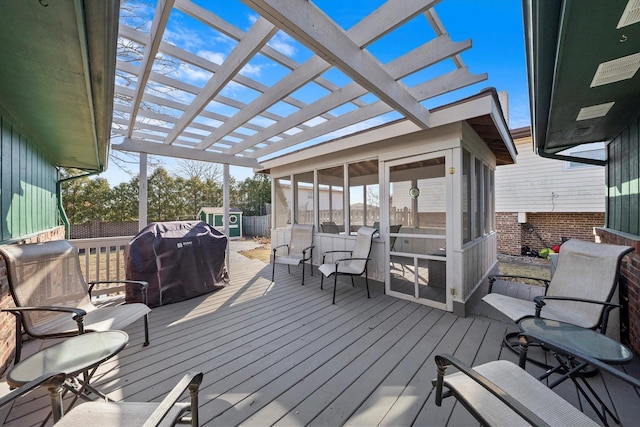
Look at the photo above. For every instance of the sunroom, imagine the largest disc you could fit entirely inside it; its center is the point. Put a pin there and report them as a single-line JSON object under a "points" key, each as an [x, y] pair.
{"points": [[430, 194]]}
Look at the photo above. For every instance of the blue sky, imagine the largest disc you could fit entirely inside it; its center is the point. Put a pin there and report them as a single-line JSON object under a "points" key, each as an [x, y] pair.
{"points": [[495, 27]]}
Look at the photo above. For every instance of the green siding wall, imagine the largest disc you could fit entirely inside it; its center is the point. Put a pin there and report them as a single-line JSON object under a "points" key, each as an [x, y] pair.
{"points": [[623, 180], [28, 195]]}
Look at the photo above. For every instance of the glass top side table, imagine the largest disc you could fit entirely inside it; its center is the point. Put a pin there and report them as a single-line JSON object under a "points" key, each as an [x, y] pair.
{"points": [[81, 354], [574, 348]]}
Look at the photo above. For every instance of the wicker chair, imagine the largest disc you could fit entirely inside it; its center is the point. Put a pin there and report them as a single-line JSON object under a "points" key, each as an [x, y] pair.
{"points": [[52, 298], [299, 249]]}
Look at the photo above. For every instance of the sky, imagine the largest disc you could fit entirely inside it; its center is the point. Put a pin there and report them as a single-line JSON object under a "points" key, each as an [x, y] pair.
{"points": [[494, 26]]}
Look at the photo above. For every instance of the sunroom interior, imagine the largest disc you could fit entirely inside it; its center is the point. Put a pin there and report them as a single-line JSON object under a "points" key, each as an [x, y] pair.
{"points": [[429, 193]]}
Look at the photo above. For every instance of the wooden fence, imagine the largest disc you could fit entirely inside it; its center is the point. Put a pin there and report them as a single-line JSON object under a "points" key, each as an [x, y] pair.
{"points": [[257, 225]]}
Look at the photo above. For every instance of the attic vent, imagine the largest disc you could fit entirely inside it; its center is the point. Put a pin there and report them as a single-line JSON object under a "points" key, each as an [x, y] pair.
{"points": [[616, 70], [594, 111], [631, 14]]}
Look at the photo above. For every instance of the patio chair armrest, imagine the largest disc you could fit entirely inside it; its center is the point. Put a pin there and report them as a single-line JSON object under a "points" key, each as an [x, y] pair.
{"points": [[493, 277], [444, 360], [191, 381], [324, 254], [304, 252], [78, 312], [143, 285], [352, 259], [275, 249], [539, 300], [608, 306], [52, 381]]}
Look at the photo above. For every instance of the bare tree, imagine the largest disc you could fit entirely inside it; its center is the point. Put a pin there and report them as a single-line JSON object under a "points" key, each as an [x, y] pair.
{"points": [[205, 171]]}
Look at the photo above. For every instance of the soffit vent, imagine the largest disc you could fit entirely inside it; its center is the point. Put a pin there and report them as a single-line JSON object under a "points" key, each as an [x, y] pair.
{"points": [[631, 14], [618, 69], [594, 111]]}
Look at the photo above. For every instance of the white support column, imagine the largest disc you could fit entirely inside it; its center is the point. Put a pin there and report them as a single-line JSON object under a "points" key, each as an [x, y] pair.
{"points": [[142, 189], [225, 204], [346, 195]]}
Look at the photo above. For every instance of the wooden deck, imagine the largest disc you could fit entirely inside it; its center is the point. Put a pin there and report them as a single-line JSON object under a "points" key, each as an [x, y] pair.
{"points": [[282, 354]]}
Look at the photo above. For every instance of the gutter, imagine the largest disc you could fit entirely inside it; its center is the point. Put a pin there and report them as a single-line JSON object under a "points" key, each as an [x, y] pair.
{"points": [[584, 160]]}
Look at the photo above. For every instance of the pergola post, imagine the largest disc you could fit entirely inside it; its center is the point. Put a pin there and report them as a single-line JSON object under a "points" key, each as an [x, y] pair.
{"points": [[227, 210], [142, 189]]}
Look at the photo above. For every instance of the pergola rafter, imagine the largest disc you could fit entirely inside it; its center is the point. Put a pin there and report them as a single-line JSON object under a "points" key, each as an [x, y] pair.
{"points": [[164, 113]]}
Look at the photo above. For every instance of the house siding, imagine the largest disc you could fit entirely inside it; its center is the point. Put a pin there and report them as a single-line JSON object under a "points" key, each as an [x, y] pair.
{"points": [[623, 180], [28, 195], [623, 223], [537, 184]]}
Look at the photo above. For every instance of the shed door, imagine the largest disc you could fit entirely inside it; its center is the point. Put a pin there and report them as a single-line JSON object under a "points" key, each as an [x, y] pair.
{"points": [[417, 228]]}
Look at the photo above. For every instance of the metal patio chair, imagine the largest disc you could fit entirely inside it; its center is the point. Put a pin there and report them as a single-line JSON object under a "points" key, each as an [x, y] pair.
{"points": [[500, 393], [330, 227], [106, 414], [52, 299], [580, 291], [354, 265], [298, 251], [392, 243]]}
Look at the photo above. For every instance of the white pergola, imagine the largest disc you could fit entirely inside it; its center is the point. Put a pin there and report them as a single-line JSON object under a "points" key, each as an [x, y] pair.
{"points": [[162, 114]]}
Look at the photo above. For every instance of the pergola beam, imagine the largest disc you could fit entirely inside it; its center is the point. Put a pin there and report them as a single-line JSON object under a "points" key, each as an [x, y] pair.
{"points": [[312, 27], [183, 153]]}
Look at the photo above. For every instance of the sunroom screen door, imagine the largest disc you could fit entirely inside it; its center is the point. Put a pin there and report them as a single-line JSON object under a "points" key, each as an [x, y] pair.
{"points": [[417, 228]]}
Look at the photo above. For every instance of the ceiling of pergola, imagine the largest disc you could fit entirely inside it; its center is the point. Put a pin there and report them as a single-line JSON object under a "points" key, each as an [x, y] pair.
{"points": [[158, 111]]}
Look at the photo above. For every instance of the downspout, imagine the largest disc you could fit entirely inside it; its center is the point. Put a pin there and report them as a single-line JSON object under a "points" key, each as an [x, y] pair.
{"points": [[61, 211]]}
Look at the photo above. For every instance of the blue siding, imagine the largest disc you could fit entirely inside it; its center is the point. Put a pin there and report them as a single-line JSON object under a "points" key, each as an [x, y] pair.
{"points": [[28, 195]]}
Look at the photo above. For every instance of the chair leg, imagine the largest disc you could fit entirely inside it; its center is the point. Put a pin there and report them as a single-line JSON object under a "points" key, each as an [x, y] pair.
{"points": [[303, 273], [321, 279], [366, 279], [146, 330], [353, 284], [335, 285], [273, 269]]}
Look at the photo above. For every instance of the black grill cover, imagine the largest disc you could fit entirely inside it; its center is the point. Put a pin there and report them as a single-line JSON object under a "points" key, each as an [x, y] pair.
{"points": [[179, 259]]}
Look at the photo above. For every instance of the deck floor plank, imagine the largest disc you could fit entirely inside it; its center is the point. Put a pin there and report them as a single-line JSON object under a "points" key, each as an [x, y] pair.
{"points": [[281, 354]]}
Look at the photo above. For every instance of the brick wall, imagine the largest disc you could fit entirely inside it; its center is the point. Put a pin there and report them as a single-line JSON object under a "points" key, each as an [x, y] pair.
{"points": [[629, 287], [551, 227], [7, 321]]}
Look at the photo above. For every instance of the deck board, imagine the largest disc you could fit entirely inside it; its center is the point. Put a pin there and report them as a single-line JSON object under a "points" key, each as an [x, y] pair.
{"points": [[282, 354]]}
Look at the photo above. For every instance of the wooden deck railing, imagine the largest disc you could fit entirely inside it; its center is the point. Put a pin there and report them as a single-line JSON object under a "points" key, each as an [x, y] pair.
{"points": [[103, 259]]}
